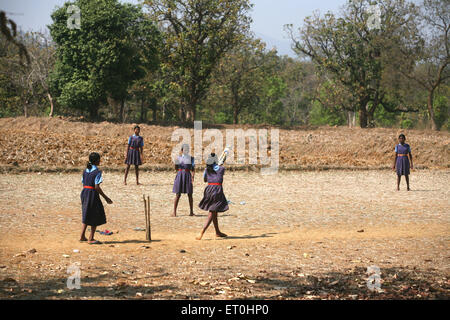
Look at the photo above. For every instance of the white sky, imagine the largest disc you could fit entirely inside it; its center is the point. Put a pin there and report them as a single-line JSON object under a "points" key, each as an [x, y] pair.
{"points": [[269, 16]]}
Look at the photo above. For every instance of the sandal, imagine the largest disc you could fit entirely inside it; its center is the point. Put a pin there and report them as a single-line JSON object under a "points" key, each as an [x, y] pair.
{"points": [[94, 242]]}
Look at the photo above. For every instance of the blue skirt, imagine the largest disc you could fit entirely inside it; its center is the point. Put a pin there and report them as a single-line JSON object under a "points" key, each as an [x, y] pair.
{"points": [[214, 199], [133, 157], [183, 183], [92, 208], [402, 166]]}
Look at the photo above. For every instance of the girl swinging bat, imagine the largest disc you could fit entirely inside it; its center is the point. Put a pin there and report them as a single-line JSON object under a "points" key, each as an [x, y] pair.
{"points": [[214, 199]]}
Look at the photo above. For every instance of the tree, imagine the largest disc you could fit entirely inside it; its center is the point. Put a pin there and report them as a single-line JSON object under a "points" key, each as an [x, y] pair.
{"points": [[197, 35], [10, 33], [274, 89], [301, 82], [333, 96], [351, 52], [102, 58], [42, 58], [22, 87], [239, 76], [425, 55]]}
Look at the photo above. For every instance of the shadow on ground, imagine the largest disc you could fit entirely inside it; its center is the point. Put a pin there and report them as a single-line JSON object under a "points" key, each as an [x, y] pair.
{"points": [[396, 283], [90, 289]]}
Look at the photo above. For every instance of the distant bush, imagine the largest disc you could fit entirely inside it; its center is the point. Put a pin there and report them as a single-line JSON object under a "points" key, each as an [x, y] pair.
{"points": [[320, 115], [441, 111], [406, 124]]}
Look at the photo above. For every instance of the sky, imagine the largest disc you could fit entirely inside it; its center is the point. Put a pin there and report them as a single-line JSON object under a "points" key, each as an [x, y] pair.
{"points": [[269, 16]]}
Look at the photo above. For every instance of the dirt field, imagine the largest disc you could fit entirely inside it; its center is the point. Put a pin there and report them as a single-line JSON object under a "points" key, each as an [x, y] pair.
{"points": [[43, 144], [299, 235]]}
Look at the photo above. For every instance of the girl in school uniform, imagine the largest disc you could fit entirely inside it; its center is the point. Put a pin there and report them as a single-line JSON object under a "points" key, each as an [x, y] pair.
{"points": [[214, 199], [135, 153], [92, 207], [184, 179], [401, 160]]}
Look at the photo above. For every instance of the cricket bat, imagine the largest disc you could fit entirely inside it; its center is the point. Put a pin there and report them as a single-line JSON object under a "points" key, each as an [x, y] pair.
{"points": [[223, 156]]}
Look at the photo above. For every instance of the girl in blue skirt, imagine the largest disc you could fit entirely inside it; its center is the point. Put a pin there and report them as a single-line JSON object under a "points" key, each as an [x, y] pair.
{"points": [[184, 179], [401, 160], [92, 207], [135, 153], [214, 199]]}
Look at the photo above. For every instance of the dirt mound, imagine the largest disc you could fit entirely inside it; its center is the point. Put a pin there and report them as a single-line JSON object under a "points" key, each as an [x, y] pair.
{"points": [[61, 144]]}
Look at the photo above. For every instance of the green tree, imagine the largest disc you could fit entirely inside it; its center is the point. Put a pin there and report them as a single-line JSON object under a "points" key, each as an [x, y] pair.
{"points": [[425, 54], [239, 76], [351, 52], [274, 89], [321, 115], [198, 33], [301, 82], [24, 88], [103, 57]]}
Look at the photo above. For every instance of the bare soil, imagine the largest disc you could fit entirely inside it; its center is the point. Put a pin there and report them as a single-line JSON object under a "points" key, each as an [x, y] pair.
{"points": [[293, 235], [43, 144]]}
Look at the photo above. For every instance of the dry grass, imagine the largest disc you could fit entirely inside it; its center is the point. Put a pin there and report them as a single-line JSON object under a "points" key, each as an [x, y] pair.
{"points": [[42, 144], [296, 237]]}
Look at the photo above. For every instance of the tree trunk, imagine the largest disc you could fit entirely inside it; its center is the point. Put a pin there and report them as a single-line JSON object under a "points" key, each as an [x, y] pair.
{"points": [[25, 109], [235, 115], [351, 119], [235, 105], [93, 113], [191, 111], [371, 111], [182, 114], [431, 110], [122, 107], [143, 113], [154, 109], [51, 104], [370, 120], [363, 117]]}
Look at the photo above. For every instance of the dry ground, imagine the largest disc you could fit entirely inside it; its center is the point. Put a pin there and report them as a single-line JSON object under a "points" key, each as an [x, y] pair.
{"points": [[36, 144], [299, 235]]}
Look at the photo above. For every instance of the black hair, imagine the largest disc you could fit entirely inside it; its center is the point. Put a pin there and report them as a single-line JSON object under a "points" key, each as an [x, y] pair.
{"points": [[94, 159], [137, 127], [402, 136], [210, 167]]}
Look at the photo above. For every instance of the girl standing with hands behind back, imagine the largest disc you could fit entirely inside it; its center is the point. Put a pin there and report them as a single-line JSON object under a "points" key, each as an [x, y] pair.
{"points": [[401, 161], [184, 179], [134, 153]]}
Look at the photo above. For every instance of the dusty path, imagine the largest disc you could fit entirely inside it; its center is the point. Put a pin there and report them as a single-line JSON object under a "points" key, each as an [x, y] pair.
{"points": [[296, 237]]}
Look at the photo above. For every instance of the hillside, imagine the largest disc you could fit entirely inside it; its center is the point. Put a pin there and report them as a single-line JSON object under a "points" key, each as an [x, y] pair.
{"points": [[59, 144]]}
